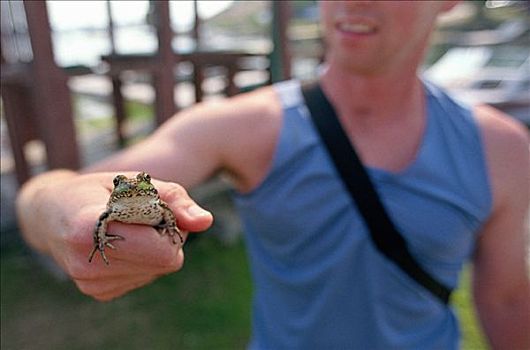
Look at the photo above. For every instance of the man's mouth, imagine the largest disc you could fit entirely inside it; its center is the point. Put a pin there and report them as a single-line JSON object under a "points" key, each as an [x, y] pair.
{"points": [[356, 27]]}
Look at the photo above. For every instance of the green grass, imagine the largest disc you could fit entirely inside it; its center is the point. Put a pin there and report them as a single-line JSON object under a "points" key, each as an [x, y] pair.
{"points": [[138, 110], [205, 306], [472, 337]]}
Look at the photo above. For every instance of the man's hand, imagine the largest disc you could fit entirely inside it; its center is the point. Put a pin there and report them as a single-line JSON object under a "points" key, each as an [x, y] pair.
{"points": [[57, 214]]}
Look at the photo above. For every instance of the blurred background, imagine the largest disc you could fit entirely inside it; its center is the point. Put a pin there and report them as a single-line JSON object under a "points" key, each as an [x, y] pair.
{"points": [[82, 79]]}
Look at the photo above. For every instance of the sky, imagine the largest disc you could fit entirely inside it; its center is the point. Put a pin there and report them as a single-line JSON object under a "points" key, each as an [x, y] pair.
{"points": [[73, 46], [68, 15]]}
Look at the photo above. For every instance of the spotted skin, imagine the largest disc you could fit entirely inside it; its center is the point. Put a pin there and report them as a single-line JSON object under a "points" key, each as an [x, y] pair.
{"points": [[134, 201]]}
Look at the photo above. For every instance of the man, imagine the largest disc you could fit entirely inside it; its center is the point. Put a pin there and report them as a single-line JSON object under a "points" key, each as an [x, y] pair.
{"points": [[455, 182]]}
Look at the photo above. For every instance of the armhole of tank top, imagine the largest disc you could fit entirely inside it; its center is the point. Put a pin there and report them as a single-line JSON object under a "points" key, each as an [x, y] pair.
{"points": [[466, 110], [483, 159]]}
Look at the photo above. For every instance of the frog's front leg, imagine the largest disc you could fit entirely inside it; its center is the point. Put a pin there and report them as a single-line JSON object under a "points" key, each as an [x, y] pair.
{"points": [[169, 224], [101, 238]]}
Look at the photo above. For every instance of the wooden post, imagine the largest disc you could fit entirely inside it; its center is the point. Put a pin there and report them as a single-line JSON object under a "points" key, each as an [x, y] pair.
{"points": [[17, 116], [51, 97], [110, 28], [163, 76], [117, 97], [280, 55], [198, 74], [119, 108], [196, 24]]}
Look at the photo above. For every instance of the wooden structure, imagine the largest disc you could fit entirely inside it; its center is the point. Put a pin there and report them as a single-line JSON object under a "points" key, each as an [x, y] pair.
{"points": [[35, 94], [280, 55], [160, 65]]}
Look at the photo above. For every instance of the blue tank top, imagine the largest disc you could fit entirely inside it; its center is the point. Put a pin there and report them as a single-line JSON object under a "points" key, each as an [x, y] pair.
{"points": [[319, 282]]}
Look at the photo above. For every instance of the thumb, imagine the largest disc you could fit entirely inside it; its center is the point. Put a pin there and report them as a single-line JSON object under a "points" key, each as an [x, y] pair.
{"points": [[194, 218], [190, 216]]}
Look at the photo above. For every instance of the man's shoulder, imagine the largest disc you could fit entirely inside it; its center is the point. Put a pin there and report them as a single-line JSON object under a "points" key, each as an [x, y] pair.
{"points": [[246, 128], [501, 131], [242, 116], [507, 147], [260, 103]]}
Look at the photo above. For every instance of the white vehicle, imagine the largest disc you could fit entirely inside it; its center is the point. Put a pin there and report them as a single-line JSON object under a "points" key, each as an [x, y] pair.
{"points": [[495, 75]]}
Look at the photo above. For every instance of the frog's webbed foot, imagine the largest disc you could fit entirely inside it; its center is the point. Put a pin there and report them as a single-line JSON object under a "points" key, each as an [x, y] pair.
{"points": [[100, 243], [168, 225], [171, 229], [102, 239]]}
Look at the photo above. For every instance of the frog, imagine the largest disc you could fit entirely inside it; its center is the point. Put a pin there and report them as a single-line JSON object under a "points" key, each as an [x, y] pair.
{"points": [[134, 201]]}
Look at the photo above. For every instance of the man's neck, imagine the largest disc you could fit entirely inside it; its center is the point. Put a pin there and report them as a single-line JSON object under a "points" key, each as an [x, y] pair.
{"points": [[374, 98], [384, 115]]}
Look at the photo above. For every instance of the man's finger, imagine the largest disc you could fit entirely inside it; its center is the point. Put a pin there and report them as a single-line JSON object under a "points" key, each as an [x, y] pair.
{"points": [[190, 216]]}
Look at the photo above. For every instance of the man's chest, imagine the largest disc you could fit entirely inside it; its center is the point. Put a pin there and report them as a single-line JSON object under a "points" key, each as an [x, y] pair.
{"points": [[392, 147]]}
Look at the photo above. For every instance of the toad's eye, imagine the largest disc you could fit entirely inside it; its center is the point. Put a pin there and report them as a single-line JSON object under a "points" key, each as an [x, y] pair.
{"points": [[117, 180], [143, 177]]}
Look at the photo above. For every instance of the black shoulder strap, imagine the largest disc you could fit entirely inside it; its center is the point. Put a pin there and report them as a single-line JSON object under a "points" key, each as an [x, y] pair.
{"points": [[383, 232]]}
